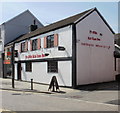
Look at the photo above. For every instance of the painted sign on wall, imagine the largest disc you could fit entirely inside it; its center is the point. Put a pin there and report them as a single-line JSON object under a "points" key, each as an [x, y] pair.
{"points": [[35, 56], [95, 36]]}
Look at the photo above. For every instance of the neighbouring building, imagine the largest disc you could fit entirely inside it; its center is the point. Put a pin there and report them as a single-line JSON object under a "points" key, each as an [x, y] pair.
{"points": [[1, 52], [117, 57], [117, 39], [77, 50], [12, 29]]}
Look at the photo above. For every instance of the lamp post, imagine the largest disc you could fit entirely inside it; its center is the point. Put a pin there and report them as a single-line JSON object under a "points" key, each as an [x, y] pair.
{"points": [[13, 76]]}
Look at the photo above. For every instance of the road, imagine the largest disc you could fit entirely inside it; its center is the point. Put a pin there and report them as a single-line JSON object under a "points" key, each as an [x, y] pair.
{"points": [[29, 101]]}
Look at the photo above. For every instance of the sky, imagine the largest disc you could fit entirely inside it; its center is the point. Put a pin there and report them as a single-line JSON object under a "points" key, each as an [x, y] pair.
{"points": [[50, 12]]}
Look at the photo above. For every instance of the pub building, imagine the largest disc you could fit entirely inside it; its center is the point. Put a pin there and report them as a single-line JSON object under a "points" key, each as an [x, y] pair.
{"points": [[77, 50]]}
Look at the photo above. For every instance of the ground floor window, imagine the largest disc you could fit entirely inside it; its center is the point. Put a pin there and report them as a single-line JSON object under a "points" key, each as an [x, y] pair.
{"points": [[28, 66], [52, 67]]}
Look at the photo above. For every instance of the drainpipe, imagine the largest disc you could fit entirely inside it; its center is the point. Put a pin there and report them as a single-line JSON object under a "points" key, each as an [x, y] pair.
{"points": [[74, 58]]}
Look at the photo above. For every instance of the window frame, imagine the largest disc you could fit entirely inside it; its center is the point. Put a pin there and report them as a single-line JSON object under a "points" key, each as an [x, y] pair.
{"points": [[34, 44], [28, 66], [23, 46], [52, 66], [50, 41]]}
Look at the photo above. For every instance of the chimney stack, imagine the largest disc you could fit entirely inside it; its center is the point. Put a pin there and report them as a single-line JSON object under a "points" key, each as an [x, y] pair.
{"points": [[33, 27]]}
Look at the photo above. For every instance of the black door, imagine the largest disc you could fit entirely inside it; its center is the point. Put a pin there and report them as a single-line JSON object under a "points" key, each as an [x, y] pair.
{"points": [[19, 71]]}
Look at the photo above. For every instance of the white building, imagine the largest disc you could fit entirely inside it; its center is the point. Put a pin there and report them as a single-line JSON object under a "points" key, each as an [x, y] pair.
{"points": [[14, 28], [77, 50]]}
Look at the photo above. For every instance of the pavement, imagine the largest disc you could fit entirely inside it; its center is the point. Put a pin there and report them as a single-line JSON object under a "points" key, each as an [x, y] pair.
{"points": [[6, 84], [104, 93]]}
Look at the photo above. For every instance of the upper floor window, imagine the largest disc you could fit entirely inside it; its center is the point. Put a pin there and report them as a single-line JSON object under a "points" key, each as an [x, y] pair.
{"points": [[50, 41], [24, 46], [34, 44]]}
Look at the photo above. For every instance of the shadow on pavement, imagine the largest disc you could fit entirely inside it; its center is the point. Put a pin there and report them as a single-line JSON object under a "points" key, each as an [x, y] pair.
{"points": [[27, 90], [114, 85], [115, 102]]}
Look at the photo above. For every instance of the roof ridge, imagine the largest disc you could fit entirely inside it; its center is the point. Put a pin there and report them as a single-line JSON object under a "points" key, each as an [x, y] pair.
{"points": [[20, 15], [67, 18], [15, 16], [59, 24]]}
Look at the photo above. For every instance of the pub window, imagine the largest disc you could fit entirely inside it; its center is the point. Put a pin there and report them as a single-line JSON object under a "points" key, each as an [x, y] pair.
{"points": [[28, 66], [52, 67], [50, 41], [23, 47], [34, 44]]}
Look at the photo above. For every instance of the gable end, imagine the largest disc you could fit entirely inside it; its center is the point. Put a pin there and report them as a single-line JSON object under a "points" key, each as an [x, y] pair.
{"points": [[95, 9]]}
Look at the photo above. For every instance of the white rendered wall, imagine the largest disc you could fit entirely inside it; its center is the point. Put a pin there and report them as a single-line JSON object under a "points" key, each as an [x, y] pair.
{"points": [[39, 73], [64, 40], [94, 64], [15, 67], [39, 69]]}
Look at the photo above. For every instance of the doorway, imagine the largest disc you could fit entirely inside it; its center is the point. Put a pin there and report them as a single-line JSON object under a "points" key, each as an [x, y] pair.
{"points": [[19, 71]]}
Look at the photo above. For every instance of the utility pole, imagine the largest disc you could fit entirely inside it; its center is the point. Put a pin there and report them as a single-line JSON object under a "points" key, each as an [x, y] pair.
{"points": [[13, 76], [3, 55]]}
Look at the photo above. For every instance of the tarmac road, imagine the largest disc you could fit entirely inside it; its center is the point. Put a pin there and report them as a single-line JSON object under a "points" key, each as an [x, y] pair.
{"points": [[28, 101], [97, 97]]}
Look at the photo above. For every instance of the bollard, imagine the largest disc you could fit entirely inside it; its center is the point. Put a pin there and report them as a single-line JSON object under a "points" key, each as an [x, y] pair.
{"points": [[31, 84], [13, 83]]}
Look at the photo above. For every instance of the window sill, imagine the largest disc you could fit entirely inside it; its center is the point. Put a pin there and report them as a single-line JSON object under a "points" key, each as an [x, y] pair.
{"points": [[52, 72], [23, 51], [51, 47]]}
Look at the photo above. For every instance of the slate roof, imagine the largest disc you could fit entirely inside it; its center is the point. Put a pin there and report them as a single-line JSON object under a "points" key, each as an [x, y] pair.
{"points": [[59, 24]]}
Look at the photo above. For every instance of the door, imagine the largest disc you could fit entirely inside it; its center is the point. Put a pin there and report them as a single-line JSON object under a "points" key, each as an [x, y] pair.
{"points": [[19, 71]]}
